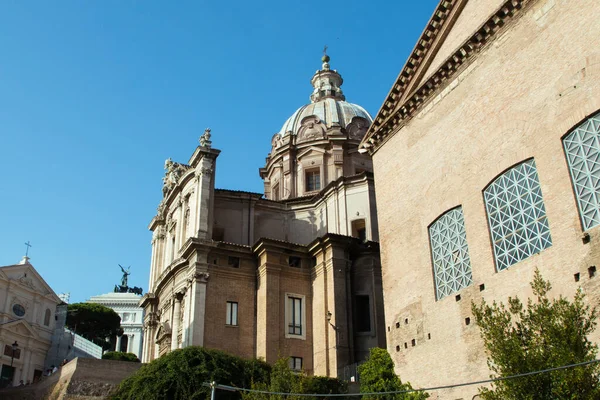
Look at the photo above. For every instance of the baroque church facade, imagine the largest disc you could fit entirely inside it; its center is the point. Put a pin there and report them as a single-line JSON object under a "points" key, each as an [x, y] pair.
{"points": [[27, 323], [487, 157], [293, 272]]}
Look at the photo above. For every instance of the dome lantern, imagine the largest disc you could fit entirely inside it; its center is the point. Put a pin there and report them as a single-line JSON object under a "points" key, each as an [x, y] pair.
{"points": [[326, 83]]}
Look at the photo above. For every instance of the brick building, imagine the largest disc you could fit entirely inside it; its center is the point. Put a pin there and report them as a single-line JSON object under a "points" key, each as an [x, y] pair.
{"points": [[293, 273], [486, 159]]}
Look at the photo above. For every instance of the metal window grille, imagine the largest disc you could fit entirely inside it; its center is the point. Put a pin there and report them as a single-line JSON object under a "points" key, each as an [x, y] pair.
{"points": [[450, 253], [231, 317], [517, 215], [295, 325], [582, 149]]}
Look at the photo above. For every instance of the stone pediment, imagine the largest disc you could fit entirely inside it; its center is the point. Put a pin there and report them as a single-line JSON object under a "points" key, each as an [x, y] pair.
{"points": [[311, 150], [26, 276], [20, 327], [451, 39]]}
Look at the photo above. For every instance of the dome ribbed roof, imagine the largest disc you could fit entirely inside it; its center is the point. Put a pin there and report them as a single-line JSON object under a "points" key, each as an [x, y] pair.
{"points": [[330, 111]]}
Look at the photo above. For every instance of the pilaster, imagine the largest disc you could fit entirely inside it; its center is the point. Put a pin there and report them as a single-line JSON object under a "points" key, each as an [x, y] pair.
{"points": [[268, 323]]}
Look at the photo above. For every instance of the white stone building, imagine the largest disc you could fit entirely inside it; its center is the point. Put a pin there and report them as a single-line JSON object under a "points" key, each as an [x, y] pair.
{"points": [[27, 319], [132, 318]]}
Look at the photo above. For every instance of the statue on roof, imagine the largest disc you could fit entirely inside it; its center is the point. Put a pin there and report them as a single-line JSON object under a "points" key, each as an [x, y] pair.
{"points": [[123, 287], [205, 138], [173, 171], [125, 275]]}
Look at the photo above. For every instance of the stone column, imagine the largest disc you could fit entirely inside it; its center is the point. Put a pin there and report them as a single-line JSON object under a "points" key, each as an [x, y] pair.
{"points": [[197, 308], [129, 340], [118, 347], [176, 318]]}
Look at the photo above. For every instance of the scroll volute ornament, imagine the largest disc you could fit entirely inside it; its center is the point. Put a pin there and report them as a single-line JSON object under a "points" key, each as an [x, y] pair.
{"points": [[357, 129], [311, 128]]}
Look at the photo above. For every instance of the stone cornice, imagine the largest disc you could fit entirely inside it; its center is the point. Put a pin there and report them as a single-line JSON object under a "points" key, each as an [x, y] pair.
{"points": [[393, 115]]}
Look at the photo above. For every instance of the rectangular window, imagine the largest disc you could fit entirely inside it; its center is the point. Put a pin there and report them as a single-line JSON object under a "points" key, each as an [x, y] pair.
{"points": [[295, 363], [275, 192], [233, 262], [295, 315], [359, 229], [313, 180], [8, 351], [294, 261], [363, 314], [231, 318]]}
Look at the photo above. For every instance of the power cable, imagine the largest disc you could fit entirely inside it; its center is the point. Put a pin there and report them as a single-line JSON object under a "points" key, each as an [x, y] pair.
{"points": [[503, 378]]}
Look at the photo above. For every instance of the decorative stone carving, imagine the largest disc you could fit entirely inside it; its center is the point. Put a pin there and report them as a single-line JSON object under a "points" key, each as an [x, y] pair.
{"points": [[205, 139], [160, 210], [201, 277], [24, 280], [173, 172], [276, 142], [311, 129], [357, 128]]}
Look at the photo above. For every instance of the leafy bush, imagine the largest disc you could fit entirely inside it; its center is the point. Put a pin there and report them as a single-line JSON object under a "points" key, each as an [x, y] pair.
{"points": [[120, 356], [377, 375], [544, 334], [283, 380], [181, 373]]}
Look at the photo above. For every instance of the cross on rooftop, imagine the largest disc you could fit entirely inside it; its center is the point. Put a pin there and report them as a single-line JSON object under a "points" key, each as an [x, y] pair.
{"points": [[28, 246]]}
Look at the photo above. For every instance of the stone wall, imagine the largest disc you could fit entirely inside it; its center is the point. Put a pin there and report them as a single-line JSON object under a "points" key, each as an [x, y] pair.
{"points": [[517, 99], [81, 378]]}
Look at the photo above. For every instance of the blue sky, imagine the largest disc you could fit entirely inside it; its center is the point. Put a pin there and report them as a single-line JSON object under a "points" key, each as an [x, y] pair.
{"points": [[95, 95]]}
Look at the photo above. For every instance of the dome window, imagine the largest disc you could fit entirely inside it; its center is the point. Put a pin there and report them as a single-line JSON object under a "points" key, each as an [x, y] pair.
{"points": [[313, 180]]}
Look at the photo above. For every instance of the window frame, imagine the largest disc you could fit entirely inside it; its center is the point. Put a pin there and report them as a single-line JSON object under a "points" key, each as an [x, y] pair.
{"points": [[292, 361], [232, 313], [464, 252], [312, 172], [575, 188], [290, 321], [493, 240]]}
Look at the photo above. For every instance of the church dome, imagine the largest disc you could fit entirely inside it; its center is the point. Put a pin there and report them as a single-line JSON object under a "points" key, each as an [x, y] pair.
{"points": [[330, 111], [328, 104]]}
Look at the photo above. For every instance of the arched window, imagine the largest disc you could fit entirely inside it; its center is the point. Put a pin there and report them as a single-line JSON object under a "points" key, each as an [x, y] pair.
{"points": [[517, 215], [47, 317], [582, 148], [450, 253]]}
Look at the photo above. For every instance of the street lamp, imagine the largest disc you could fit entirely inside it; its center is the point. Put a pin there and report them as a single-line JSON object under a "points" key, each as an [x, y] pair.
{"points": [[15, 346]]}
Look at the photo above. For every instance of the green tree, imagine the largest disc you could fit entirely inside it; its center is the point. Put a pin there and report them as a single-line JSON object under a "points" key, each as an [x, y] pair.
{"points": [[94, 322], [283, 380], [120, 356], [377, 375], [181, 374], [544, 334]]}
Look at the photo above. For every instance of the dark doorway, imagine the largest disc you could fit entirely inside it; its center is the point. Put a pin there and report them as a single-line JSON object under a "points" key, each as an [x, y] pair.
{"points": [[124, 342], [6, 375]]}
